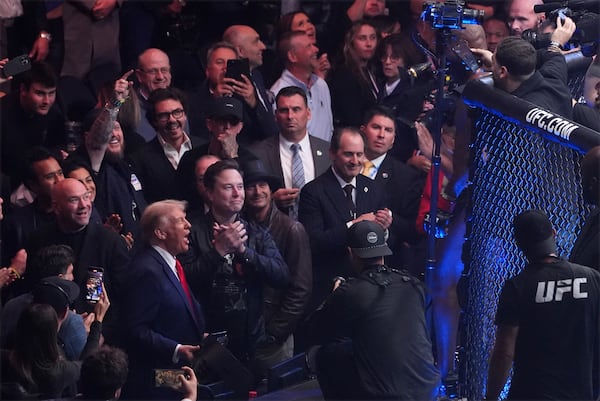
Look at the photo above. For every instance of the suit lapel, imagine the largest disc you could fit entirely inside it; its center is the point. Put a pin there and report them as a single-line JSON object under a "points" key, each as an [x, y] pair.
{"points": [[172, 277], [320, 157], [276, 158]]}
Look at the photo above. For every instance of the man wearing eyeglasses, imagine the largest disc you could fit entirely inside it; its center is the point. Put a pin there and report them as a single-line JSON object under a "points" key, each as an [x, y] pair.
{"points": [[153, 72], [156, 164], [93, 244]]}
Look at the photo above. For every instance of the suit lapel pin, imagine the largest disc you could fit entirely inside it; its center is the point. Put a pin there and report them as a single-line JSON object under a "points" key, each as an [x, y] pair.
{"points": [[319, 153], [366, 189], [384, 175]]}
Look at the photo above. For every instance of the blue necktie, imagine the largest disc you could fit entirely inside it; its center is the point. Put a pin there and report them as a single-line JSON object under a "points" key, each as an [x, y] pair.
{"points": [[297, 168]]}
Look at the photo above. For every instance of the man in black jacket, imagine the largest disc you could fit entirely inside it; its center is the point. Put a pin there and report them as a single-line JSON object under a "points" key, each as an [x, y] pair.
{"points": [[230, 261], [283, 308], [514, 63]]}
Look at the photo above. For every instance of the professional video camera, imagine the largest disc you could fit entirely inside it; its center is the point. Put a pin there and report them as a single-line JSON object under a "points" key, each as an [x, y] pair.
{"points": [[585, 14], [451, 14]]}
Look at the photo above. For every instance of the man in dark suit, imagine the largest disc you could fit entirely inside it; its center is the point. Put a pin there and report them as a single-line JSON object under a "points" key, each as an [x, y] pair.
{"points": [[403, 185], [163, 321], [156, 163], [94, 245], [585, 251], [292, 114], [334, 201]]}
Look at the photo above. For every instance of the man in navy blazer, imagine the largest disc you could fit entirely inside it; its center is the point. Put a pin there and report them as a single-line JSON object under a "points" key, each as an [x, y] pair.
{"points": [[403, 184], [326, 211], [292, 114], [163, 322]]}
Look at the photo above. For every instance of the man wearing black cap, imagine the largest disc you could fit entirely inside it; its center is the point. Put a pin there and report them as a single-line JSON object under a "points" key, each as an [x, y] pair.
{"points": [[224, 123], [547, 320], [283, 308], [386, 352]]}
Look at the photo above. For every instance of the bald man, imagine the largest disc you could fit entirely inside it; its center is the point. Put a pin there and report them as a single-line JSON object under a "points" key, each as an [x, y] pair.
{"points": [[93, 244], [522, 17], [586, 251], [258, 103]]}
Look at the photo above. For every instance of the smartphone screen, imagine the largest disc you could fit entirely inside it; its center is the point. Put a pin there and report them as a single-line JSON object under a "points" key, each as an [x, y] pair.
{"points": [[238, 67], [461, 49], [94, 284], [167, 377]]}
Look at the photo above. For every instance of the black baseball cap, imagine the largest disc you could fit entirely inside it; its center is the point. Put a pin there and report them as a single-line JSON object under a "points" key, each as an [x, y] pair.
{"points": [[534, 233], [223, 107], [367, 240], [56, 292]]}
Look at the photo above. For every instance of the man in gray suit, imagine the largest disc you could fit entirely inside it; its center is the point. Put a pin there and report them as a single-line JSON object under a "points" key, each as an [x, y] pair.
{"points": [[279, 153]]}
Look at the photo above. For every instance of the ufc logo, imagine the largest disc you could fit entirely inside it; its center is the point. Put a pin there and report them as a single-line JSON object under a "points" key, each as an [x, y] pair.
{"points": [[554, 290]]}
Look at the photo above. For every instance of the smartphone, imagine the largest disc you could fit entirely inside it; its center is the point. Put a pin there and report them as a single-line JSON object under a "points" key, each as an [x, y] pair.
{"points": [[167, 377], [462, 50], [238, 67], [93, 284], [16, 66]]}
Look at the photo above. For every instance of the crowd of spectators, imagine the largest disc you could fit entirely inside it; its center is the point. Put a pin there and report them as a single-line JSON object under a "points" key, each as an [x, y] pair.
{"points": [[276, 126]]}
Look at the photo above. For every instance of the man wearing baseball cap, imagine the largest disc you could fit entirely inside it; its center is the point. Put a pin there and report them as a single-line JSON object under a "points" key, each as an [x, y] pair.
{"points": [[386, 352], [548, 320], [224, 122], [283, 308]]}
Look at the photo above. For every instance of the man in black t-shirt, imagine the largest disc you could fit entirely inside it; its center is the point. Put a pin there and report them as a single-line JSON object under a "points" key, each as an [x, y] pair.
{"points": [[547, 322]]}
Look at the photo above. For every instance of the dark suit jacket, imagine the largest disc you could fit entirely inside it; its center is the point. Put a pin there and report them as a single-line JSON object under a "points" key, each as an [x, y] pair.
{"points": [[324, 215], [403, 187], [157, 317], [93, 246], [155, 172], [268, 152]]}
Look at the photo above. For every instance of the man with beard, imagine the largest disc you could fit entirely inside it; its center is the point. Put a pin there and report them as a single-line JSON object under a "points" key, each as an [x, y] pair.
{"points": [[283, 308], [157, 163], [118, 190], [230, 262], [513, 65]]}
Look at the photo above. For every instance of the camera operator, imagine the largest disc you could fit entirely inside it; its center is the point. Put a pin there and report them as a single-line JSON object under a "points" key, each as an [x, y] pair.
{"points": [[513, 66]]}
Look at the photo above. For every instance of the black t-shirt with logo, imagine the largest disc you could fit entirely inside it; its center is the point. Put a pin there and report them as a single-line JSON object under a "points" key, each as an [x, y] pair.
{"points": [[555, 306]]}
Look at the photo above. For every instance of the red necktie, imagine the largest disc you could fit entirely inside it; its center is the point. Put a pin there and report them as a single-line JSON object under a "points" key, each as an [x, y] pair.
{"points": [[184, 283]]}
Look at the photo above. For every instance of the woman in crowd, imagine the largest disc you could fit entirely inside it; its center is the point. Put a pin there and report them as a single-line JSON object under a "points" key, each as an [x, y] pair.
{"points": [[402, 92], [353, 85]]}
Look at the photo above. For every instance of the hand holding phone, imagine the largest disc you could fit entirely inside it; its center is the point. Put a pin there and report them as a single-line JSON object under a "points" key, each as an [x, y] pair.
{"points": [[94, 284], [167, 377], [238, 67], [16, 66]]}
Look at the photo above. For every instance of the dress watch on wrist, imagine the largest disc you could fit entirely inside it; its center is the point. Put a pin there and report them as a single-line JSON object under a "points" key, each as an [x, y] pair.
{"points": [[45, 35]]}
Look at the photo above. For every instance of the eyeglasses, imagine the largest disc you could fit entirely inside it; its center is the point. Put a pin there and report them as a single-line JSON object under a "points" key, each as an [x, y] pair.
{"points": [[155, 71], [74, 200], [177, 113]]}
